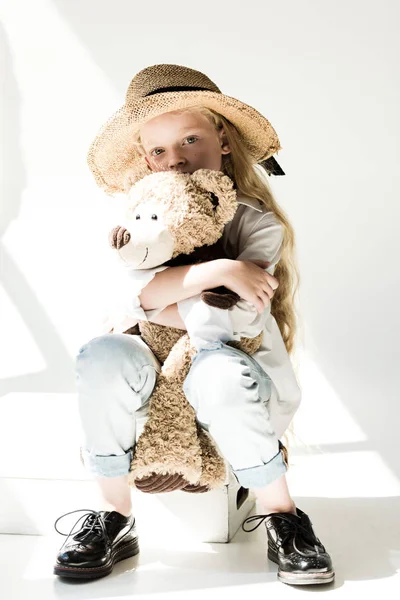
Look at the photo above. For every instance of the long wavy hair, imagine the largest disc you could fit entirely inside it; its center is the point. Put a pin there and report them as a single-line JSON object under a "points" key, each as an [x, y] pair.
{"points": [[241, 168]]}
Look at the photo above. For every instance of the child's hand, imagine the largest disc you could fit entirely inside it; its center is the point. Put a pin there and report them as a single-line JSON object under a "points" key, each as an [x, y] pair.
{"points": [[249, 279]]}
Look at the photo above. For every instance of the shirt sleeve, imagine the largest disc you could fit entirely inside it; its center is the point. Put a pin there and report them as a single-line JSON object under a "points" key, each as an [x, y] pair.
{"points": [[122, 303], [263, 243], [137, 280], [205, 324]]}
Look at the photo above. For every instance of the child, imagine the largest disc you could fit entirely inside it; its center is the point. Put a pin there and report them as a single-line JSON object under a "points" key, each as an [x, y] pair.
{"points": [[176, 118]]}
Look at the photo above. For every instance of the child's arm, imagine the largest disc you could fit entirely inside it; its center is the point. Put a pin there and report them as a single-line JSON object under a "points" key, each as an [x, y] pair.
{"points": [[205, 323], [178, 283], [247, 278], [170, 317]]}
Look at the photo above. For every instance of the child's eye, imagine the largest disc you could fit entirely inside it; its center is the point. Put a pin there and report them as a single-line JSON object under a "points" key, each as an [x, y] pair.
{"points": [[190, 139]]}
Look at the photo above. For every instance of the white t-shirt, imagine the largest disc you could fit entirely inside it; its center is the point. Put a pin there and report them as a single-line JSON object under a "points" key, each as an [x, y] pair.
{"points": [[254, 233]]}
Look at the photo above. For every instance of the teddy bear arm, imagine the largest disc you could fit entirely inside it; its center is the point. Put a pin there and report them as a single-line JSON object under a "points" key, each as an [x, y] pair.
{"points": [[220, 297]]}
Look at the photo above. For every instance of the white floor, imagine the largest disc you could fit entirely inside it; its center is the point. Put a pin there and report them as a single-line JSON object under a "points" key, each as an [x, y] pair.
{"points": [[361, 534]]}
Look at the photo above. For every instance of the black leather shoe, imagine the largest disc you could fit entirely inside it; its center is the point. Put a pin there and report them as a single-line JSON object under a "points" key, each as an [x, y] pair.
{"points": [[292, 544], [104, 539]]}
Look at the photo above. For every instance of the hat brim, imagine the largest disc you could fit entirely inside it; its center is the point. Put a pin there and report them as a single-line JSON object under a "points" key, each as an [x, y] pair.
{"points": [[112, 154]]}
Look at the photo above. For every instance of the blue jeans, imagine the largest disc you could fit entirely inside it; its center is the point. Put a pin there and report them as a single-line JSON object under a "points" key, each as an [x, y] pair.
{"points": [[228, 390]]}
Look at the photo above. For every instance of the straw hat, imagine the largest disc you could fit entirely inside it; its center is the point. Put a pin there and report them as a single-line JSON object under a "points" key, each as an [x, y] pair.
{"points": [[163, 88]]}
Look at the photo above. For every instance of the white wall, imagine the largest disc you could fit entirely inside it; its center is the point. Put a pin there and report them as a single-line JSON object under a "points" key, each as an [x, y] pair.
{"points": [[324, 73]]}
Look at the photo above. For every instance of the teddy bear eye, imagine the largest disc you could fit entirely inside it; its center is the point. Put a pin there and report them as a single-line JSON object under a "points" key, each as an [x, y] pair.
{"points": [[154, 217], [137, 217]]}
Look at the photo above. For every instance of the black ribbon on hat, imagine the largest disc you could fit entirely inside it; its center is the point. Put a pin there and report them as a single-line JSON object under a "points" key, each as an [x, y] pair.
{"points": [[271, 166]]}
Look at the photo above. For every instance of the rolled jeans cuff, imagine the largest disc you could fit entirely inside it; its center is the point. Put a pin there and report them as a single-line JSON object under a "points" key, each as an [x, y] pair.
{"points": [[257, 477], [107, 466]]}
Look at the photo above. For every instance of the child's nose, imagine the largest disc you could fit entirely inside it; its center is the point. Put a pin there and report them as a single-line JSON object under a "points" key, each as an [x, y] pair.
{"points": [[176, 160]]}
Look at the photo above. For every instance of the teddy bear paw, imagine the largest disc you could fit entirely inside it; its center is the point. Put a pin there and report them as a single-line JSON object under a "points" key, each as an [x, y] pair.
{"points": [[155, 483]]}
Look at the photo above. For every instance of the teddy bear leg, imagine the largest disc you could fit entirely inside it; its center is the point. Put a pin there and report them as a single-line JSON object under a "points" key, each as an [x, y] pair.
{"points": [[213, 469], [248, 345], [196, 488], [157, 484], [173, 443], [169, 444]]}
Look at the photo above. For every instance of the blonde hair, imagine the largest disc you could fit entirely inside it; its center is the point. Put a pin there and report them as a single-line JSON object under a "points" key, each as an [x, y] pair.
{"points": [[239, 166]]}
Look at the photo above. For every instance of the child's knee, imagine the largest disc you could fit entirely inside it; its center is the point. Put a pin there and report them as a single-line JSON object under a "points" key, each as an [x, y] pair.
{"points": [[97, 357], [104, 357], [219, 377]]}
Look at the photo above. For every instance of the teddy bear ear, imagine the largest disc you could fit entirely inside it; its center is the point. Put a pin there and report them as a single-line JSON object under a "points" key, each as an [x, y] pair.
{"points": [[132, 177], [212, 181], [221, 188]]}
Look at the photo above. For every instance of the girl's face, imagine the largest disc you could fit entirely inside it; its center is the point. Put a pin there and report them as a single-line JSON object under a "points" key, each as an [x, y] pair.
{"points": [[183, 142]]}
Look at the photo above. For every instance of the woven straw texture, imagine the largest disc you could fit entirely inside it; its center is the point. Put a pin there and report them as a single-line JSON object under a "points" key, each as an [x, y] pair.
{"points": [[112, 155]]}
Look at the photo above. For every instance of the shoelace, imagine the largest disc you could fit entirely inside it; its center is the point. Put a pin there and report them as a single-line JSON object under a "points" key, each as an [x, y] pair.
{"points": [[94, 523], [289, 529]]}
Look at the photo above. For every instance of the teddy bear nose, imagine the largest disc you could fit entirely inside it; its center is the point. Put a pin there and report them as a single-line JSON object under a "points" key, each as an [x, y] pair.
{"points": [[119, 237]]}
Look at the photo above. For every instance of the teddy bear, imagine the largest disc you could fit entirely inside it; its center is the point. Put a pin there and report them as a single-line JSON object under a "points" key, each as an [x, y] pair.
{"points": [[175, 219]]}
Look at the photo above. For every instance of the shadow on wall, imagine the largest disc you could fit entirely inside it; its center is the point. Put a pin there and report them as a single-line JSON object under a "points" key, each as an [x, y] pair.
{"points": [[58, 376], [119, 36]]}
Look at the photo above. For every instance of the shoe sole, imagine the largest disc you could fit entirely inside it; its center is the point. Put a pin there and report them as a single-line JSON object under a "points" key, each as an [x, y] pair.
{"points": [[120, 553], [310, 578]]}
